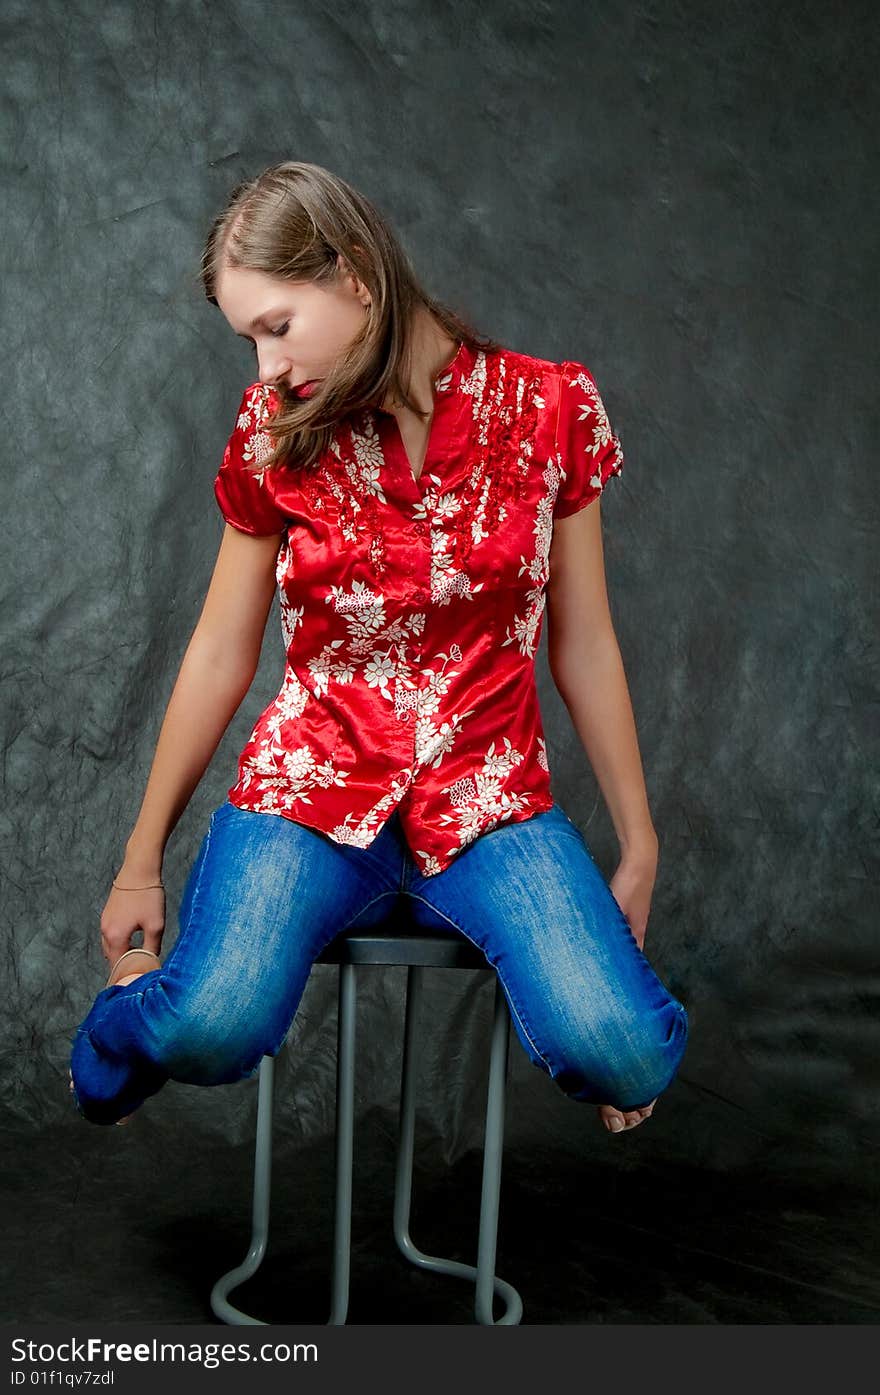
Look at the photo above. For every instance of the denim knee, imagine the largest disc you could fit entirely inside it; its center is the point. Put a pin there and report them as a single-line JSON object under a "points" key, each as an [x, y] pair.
{"points": [[629, 1069], [105, 1088], [170, 1032], [212, 1051], [198, 1057]]}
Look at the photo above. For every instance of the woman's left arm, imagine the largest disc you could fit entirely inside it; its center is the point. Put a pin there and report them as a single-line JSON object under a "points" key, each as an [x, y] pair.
{"points": [[587, 668]]}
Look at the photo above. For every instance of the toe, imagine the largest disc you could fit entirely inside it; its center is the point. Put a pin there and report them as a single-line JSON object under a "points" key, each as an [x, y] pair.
{"points": [[611, 1118], [617, 1120]]}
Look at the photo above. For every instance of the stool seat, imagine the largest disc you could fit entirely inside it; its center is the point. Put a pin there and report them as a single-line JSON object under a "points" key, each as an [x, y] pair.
{"points": [[395, 941]]}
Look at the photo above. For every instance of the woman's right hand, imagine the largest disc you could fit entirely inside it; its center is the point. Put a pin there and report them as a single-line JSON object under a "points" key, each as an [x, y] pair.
{"points": [[128, 911]]}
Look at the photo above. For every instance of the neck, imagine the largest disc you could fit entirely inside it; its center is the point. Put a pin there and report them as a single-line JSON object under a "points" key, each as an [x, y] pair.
{"points": [[431, 350]]}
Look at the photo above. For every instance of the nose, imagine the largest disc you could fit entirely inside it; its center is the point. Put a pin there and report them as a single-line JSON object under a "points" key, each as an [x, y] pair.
{"points": [[272, 367]]}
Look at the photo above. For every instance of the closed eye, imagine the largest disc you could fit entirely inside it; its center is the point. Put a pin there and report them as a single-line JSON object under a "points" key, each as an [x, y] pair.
{"points": [[276, 334]]}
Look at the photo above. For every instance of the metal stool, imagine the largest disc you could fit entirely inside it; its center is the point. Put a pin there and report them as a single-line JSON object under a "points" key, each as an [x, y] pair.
{"points": [[394, 942]]}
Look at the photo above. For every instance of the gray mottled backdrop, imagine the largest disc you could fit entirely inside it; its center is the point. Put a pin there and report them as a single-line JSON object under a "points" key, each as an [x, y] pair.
{"points": [[682, 196]]}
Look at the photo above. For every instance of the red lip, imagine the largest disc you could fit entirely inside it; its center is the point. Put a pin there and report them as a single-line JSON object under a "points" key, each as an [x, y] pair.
{"points": [[307, 388]]}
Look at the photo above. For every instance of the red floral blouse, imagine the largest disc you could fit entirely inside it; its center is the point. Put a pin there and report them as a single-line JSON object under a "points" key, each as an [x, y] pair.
{"points": [[411, 609]]}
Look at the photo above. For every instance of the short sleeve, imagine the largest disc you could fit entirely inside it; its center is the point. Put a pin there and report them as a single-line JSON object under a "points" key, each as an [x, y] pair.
{"points": [[588, 450], [242, 490]]}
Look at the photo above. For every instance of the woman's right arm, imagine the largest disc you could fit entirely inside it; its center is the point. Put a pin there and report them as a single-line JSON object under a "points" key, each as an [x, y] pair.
{"points": [[217, 670]]}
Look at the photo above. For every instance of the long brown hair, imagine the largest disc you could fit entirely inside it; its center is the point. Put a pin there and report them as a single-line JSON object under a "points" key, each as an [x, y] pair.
{"points": [[292, 222]]}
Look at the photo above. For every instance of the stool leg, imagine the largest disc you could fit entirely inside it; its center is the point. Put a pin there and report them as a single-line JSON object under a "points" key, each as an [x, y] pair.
{"points": [[262, 1172], [493, 1146], [407, 1117], [221, 1308], [345, 1059], [487, 1282]]}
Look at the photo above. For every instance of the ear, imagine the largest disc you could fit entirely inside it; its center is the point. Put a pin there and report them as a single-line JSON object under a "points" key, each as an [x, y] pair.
{"points": [[357, 285]]}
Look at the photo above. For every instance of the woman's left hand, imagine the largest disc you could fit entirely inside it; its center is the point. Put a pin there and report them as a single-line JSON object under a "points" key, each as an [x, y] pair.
{"points": [[632, 887]]}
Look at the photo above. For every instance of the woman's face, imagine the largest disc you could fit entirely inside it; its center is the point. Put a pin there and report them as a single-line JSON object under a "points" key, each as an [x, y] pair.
{"points": [[298, 329]]}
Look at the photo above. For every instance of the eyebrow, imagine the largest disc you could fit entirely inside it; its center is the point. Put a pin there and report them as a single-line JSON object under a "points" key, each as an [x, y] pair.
{"points": [[261, 320]]}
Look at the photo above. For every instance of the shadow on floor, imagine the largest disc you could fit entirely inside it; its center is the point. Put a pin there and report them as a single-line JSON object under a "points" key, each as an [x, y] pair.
{"points": [[121, 1225]]}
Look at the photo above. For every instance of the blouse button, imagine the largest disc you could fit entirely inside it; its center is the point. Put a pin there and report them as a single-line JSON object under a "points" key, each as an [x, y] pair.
{"points": [[420, 529], [420, 596]]}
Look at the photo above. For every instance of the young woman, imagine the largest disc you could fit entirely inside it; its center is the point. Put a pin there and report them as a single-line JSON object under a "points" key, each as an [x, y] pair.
{"points": [[417, 494]]}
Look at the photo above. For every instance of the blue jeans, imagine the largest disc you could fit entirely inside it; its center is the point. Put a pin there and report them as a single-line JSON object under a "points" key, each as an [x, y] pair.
{"points": [[265, 895]]}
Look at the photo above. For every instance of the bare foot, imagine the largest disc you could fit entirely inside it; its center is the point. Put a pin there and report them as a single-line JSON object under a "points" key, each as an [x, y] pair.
{"points": [[618, 1120], [127, 979]]}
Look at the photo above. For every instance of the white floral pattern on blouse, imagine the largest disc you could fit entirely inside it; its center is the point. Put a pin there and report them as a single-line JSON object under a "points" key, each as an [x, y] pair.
{"points": [[411, 608]]}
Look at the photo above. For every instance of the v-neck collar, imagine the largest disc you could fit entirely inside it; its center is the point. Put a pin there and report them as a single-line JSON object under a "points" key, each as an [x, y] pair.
{"points": [[450, 404]]}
